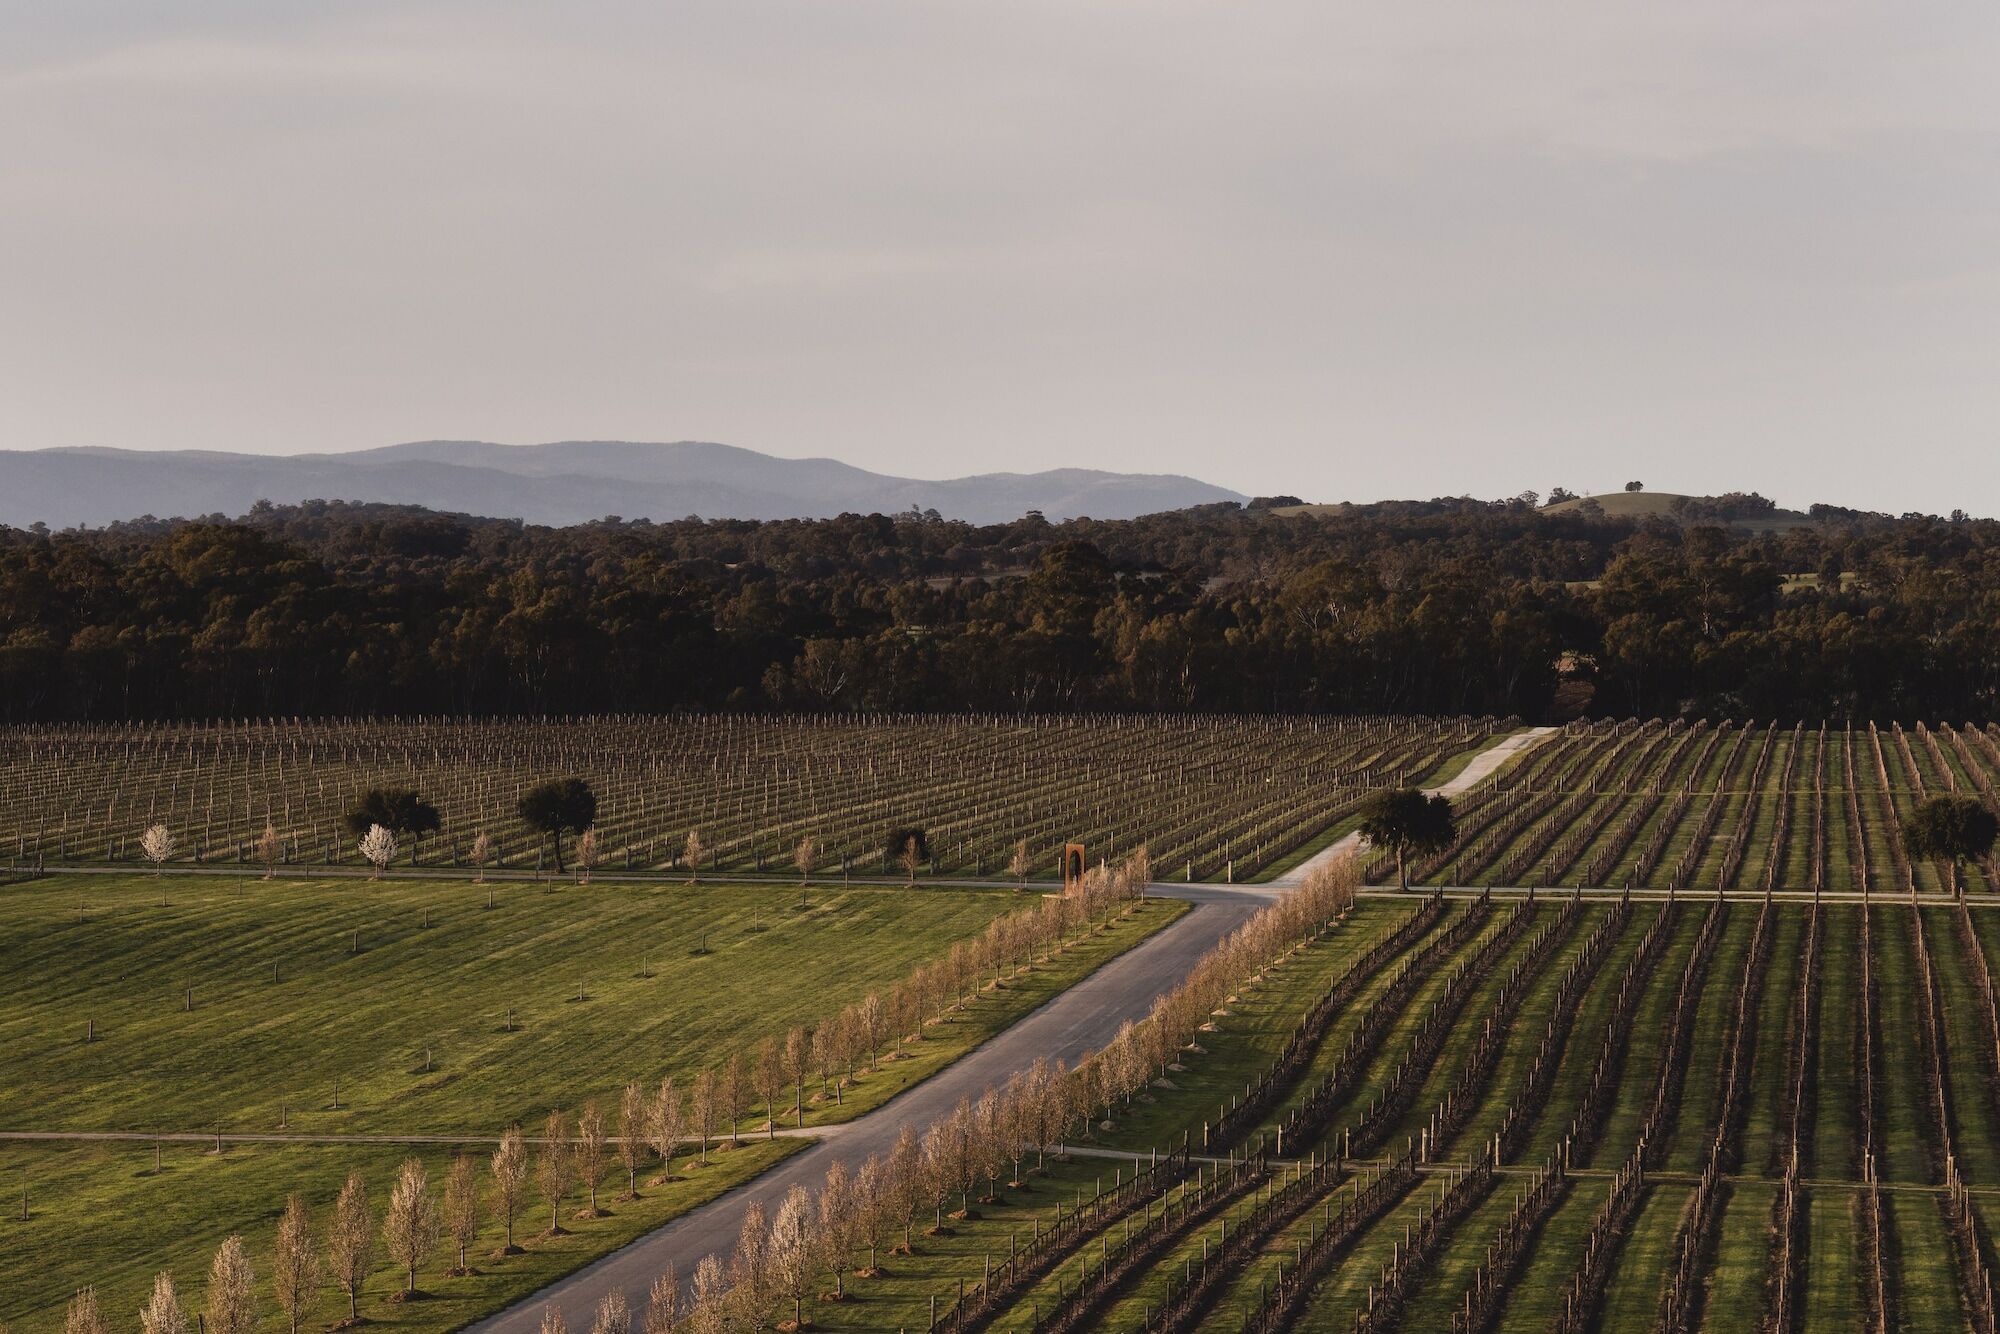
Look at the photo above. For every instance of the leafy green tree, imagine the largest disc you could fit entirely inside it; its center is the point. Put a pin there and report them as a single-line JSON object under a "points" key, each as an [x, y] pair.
{"points": [[398, 810], [557, 807], [1948, 831], [1408, 822]]}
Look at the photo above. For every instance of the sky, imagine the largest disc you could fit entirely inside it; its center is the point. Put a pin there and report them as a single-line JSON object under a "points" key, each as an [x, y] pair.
{"points": [[1344, 251]]}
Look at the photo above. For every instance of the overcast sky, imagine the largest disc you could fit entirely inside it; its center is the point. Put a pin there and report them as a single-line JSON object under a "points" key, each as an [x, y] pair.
{"points": [[1343, 250]]}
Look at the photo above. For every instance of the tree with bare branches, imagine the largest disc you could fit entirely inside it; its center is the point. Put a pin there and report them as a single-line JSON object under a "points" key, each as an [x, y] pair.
{"points": [[83, 1317], [1017, 864], [410, 1227], [350, 1242], [163, 1313], [631, 1134], [839, 1224], [269, 849], [613, 1315], [903, 1179], [701, 1110], [666, 1122], [480, 853], [691, 853], [874, 1207], [824, 1060], [792, 1255], [663, 1303], [586, 854], [750, 1274], [804, 856], [708, 1302], [462, 1208], [873, 1016], [767, 1079], [729, 1089], [555, 1169], [797, 1063], [510, 1172], [591, 1141], [232, 1296], [295, 1262]]}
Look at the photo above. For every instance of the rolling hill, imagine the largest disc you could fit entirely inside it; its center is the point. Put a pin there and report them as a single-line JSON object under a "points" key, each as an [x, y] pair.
{"points": [[1638, 504], [561, 483]]}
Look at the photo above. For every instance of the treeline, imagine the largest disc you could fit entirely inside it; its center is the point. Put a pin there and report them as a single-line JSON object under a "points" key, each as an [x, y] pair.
{"points": [[1436, 607]]}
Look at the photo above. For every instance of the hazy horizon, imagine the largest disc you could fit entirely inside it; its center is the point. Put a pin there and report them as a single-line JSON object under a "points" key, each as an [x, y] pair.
{"points": [[1347, 252], [1785, 501]]}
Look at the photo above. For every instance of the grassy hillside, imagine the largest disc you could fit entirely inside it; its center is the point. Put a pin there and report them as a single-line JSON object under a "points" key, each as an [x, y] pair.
{"points": [[1640, 504], [604, 984], [1618, 505]]}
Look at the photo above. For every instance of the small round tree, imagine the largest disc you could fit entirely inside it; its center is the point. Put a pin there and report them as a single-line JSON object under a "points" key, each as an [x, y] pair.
{"points": [[1408, 823], [1947, 831], [560, 806], [158, 845], [378, 845]]}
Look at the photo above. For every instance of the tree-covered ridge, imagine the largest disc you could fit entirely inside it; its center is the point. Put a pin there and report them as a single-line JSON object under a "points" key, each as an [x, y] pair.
{"points": [[1445, 606]]}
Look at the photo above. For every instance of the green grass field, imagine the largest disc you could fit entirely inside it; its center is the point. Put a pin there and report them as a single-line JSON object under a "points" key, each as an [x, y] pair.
{"points": [[671, 978], [604, 984]]}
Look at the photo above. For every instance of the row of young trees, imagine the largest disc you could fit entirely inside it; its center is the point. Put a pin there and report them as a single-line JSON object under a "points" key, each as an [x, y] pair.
{"points": [[979, 1143], [942, 1174]]}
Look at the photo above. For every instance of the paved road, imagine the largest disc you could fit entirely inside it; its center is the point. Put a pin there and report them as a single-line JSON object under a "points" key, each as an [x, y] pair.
{"points": [[1476, 771], [1084, 1017]]}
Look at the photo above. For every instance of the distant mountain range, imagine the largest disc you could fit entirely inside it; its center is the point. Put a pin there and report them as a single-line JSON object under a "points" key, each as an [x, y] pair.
{"points": [[571, 481]]}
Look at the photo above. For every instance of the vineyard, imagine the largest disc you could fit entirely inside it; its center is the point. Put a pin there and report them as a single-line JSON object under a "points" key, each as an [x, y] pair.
{"points": [[1213, 797], [1694, 806], [1564, 1114]]}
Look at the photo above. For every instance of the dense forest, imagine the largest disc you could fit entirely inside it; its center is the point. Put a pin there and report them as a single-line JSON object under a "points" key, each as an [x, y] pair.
{"points": [[1445, 606]]}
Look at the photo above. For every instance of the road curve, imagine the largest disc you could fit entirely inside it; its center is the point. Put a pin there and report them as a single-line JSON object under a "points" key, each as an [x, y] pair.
{"points": [[1476, 771], [1082, 1018]]}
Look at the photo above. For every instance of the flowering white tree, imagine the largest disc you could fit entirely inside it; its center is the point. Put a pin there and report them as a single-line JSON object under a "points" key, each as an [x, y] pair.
{"points": [[482, 853], [378, 845], [158, 845], [586, 855]]}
